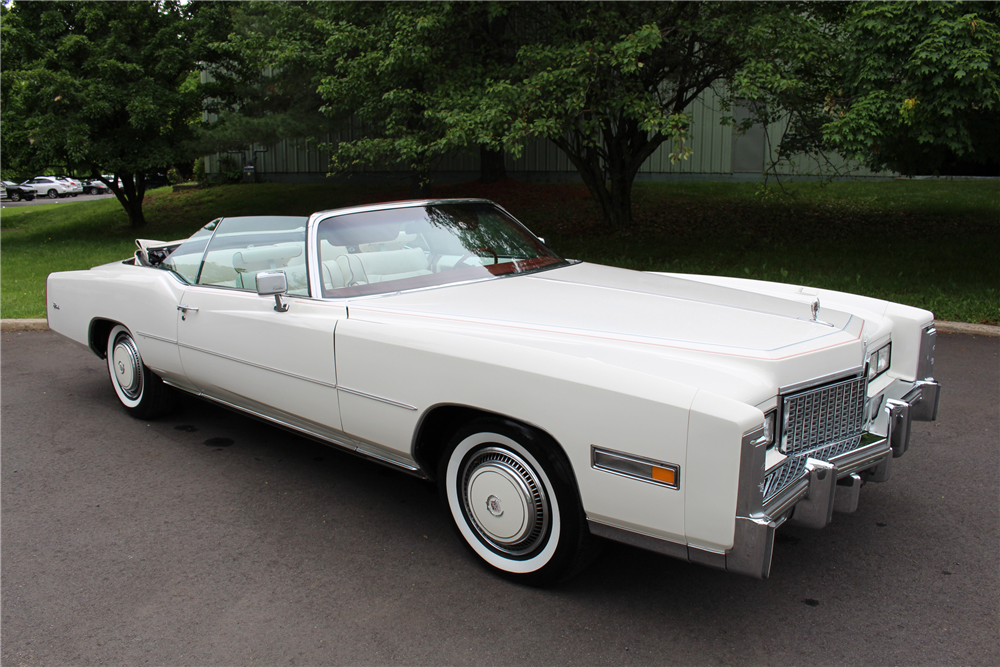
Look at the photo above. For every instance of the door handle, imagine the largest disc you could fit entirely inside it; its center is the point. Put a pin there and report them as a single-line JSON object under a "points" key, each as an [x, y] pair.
{"points": [[185, 309]]}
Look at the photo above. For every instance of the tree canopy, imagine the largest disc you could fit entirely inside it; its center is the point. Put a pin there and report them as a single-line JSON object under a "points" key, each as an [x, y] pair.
{"points": [[99, 87], [919, 86], [103, 87], [608, 83]]}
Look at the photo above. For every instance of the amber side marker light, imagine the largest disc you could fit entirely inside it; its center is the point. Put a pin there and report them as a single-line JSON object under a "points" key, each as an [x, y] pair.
{"points": [[665, 475], [636, 467]]}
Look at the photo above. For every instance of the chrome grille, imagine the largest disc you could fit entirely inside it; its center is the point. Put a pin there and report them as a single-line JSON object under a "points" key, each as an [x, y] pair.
{"points": [[818, 423], [816, 417]]}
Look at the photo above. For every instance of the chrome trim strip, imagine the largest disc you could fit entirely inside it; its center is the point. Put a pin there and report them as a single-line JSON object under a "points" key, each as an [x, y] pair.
{"points": [[641, 540], [350, 447], [291, 427], [379, 457], [389, 401], [857, 371], [159, 338], [260, 366], [624, 465]]}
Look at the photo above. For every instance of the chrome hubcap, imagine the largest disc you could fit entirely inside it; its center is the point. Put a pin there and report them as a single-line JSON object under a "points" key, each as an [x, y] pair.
{"points": [[505, 503], [128, 367]]}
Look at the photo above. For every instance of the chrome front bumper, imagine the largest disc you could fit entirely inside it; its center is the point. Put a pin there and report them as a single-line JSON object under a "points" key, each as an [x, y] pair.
{"points": [[826, 485]]}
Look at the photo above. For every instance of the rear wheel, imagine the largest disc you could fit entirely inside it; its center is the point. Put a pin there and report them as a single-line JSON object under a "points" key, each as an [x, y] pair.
{"points": [[140, 391], [52, 194], [513, 501]]}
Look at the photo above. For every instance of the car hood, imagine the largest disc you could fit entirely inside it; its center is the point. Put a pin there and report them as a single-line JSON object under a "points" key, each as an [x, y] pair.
{"points": [[735, 341]]}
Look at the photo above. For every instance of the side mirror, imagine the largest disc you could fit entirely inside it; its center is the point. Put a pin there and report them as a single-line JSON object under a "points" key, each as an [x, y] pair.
{"points": [[273, 283]]}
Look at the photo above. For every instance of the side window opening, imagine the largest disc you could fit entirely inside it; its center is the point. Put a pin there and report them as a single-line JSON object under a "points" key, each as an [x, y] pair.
{"points": [[230, 252]]}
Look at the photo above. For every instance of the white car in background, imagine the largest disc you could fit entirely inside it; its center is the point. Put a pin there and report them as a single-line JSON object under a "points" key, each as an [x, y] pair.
{"points": [[552, 400], [55, 186]]}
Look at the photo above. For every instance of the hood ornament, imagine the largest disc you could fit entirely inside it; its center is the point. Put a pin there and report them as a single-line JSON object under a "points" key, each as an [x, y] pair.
{"points": [[814, 308]]}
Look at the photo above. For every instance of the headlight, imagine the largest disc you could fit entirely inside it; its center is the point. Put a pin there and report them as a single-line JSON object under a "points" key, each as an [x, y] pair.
{"points": [[879, 361], [767, 437]]}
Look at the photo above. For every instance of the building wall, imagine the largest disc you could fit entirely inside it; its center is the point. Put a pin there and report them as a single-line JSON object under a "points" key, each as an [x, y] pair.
{"points": [[718, 153]]}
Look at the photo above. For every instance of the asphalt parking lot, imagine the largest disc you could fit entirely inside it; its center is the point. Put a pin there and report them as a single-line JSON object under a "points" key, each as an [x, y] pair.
{"points": [[209, 538], [45, 200]]}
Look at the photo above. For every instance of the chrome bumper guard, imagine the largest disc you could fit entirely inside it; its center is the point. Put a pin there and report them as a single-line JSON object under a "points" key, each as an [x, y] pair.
{"points": [[920, 404], [826, 485]]}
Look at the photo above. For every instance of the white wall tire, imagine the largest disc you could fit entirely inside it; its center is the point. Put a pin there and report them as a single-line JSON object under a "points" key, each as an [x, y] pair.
{"points": [[513, 502], [140, 391]]}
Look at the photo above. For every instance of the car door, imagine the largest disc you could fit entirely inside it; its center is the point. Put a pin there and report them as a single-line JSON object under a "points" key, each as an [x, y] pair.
{"points": [[237, 349]]}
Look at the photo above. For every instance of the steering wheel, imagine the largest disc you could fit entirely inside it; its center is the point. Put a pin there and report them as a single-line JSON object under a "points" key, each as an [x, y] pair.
{"points": [[474, 253]]}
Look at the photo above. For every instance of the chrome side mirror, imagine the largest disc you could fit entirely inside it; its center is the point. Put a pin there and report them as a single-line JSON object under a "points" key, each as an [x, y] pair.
{"points": [[273, 283]]}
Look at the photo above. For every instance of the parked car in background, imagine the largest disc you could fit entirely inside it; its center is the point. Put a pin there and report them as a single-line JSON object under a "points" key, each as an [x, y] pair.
{"points": [[54, 186], [94, 186], [15, 192], [552, 400], [74, 182]]}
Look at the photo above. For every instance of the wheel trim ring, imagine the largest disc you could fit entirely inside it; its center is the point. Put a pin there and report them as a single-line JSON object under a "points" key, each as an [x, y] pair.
{"points": [[536, 503], [126, 358]]}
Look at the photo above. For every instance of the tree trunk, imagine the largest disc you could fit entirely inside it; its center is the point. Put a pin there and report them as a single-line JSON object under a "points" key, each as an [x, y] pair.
{"points": [[615, 201], [130, 193], [620, 204], [491, 165], [136, 218]]}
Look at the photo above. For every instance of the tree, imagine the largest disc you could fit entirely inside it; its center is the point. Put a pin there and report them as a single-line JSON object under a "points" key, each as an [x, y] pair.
{"points": [[258, 91], [919, 87], [608, 83], [99, 87], [397, 69]]}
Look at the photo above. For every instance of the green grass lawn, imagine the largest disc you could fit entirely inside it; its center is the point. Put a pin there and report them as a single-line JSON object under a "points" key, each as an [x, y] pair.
{"points": [[933, 244]]}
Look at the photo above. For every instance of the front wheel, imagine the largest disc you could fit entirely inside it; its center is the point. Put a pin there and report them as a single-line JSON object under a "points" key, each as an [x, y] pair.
{"points": [[15, 196], [52, 194], [514, 503], [140, 391]]}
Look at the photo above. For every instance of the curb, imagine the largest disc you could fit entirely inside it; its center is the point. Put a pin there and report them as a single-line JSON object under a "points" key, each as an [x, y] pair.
{"points": [[966, 328], [7, 326], [941, 325]]}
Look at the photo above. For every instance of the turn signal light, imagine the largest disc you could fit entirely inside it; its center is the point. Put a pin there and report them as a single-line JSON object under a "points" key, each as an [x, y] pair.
{"points": [[636, 467], [665, 475]]}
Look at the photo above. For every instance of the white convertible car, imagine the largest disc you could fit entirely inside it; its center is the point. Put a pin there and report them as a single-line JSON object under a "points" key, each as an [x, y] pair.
{"points": [[552, 400]]}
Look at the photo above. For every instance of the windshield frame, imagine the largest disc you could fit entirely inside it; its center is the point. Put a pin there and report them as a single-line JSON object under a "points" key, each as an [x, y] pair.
{"points": [[545, 258]]}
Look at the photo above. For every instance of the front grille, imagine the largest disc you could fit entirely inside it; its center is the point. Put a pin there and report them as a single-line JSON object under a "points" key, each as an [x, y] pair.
{"points": [[818, 423], [816, 417]]}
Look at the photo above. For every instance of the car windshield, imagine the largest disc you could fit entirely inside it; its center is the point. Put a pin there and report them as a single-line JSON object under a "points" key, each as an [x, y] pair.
{"points": [[388, 250]]}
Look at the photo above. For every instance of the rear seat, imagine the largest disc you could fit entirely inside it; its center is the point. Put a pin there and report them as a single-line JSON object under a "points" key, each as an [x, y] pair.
{"points": [[251, 261]]}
